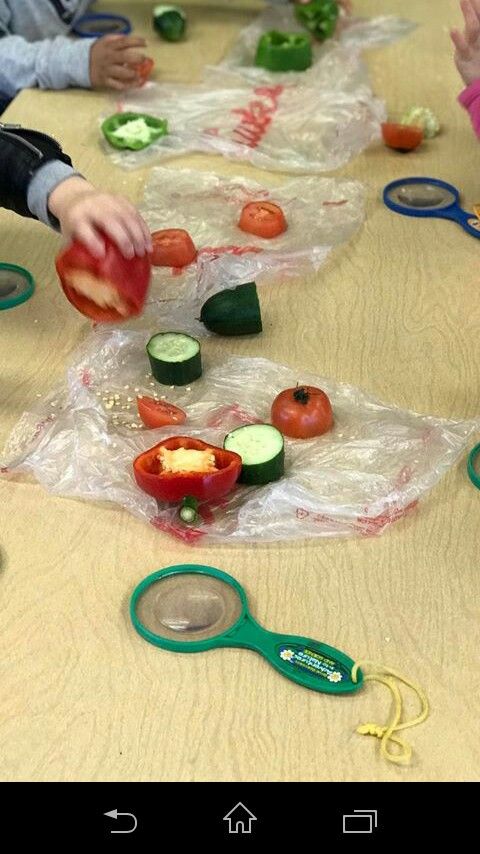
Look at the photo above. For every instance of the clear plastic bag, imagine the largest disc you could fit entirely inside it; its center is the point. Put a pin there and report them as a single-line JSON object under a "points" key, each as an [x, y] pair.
{"points": [[336, 62], [321, 213], [298, 129], [367, 473]]}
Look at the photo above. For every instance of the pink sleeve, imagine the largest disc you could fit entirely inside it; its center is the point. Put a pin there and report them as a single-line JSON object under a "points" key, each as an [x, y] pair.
{"points": [[470, 99]]}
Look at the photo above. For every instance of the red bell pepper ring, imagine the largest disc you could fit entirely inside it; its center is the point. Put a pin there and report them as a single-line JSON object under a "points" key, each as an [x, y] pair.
{"points": [[173, 487], [105, 289]]}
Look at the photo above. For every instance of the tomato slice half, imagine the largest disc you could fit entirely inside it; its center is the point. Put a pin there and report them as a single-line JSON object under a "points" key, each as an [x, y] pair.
{"points": [[143, 70], [172, 247], [159, 413], [264, 219], [401, 137]]}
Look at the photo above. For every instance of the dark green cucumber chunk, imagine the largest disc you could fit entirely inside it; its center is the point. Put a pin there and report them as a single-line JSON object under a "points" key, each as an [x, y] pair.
{"points": [[234, 311], [170, 22], [261, 448], [175, 358]]}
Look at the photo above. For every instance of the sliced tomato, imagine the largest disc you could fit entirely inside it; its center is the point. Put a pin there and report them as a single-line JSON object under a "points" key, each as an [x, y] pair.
{"points": [[172, 247], [264, 219], [143, 70], [401, 137], [302, 412], [159, 413]]}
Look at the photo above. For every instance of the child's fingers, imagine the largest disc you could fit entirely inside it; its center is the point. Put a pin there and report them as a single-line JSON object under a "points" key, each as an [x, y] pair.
{"points": [[118, 85], [120, 235], [460, 43], [472, 22], [86, 234], [134, 225], [131, 57], [124, 42], [122, 72]]}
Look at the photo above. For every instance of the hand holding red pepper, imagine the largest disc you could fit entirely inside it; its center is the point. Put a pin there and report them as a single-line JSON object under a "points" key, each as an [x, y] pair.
{"points": [[83, 212]]}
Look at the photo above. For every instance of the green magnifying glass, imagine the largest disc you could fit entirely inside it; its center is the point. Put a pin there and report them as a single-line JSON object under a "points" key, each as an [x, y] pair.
{"points": [[16, 285], [192, 608]]}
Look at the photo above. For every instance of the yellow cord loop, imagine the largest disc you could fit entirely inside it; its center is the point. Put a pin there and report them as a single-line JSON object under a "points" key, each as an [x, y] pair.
{"points": [[386, 733]]}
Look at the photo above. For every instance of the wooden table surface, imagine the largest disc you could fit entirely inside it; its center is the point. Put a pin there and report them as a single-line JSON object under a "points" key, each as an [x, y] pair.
{"points": [[397, 313]]}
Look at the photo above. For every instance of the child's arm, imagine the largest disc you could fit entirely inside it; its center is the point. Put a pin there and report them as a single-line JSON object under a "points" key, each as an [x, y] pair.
{"points": [[467, 59], [62, 62], [37, 180]]}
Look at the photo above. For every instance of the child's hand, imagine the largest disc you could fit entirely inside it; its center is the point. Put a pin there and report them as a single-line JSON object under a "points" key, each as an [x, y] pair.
{"points": [[111, 61], [467, 44], [82, 211]]}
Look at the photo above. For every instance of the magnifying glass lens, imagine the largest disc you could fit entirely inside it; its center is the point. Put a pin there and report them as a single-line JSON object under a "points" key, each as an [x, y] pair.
{"points": [[188, 607], [16, 285], [425, 196]]}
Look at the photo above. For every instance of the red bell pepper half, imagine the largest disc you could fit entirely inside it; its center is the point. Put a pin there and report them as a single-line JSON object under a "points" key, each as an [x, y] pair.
{"points": [[175, 486], [105, 289]]}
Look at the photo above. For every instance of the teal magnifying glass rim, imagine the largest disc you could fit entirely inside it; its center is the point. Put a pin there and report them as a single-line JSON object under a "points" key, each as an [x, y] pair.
{"points": [[26, 293], [193, 645], [472, 460], [307, 662]]}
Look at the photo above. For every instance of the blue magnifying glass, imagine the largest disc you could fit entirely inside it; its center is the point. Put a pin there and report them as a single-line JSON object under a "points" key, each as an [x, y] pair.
{"points": [[429, 197], [98, 25]]}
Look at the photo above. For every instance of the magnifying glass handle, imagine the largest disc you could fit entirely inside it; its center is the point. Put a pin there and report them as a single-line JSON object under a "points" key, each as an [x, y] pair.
{"points": [[308, 662], [469, 222]]}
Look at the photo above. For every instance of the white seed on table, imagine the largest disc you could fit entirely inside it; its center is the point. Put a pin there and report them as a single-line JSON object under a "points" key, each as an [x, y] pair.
{"points": [[129, 399], [126, 386], [116, 397], [172, 386], [140, 396], [151, 383], [163, 397], [38, 394], [98, 393], [188, 388], [109, 404], [114, 444], [137, 389]]}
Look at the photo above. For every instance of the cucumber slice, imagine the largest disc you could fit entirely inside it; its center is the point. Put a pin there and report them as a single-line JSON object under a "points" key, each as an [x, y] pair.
{"points": [[234, 311], [261, 448], [175, 358]]}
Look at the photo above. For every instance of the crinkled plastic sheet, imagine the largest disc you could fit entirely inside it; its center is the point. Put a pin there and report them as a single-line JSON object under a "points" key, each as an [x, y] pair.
{"points": [[336, 62], [321, 213], [298, 129], [367, 473]]}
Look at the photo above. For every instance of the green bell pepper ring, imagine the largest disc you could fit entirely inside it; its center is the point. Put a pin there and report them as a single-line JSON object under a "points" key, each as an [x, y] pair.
{"points": [[319, 17], [170, 22], [284, 51], [133, 130]]}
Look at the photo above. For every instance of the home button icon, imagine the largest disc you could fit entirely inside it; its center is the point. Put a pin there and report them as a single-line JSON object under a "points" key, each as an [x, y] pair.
{"points": [[239, 819]]}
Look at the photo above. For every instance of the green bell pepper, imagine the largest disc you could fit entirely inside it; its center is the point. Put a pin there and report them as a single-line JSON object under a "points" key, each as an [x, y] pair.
{"points": [[284, 51], [133, 130], [319, 17], [170, 22]]}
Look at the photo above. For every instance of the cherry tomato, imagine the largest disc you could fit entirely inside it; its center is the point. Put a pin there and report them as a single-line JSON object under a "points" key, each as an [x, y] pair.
{"points": [[159, 413], [172, 247], [143, 70], [302, 412], [263, 219], [401, 137]]}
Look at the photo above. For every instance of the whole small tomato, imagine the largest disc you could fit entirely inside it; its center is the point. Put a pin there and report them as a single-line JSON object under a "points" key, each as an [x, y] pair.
{"points": [[302, 412], [143, 70]]}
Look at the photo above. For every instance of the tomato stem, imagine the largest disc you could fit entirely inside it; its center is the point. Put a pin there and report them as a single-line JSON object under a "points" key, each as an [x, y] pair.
{"points": [[301, 395]]}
